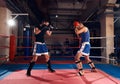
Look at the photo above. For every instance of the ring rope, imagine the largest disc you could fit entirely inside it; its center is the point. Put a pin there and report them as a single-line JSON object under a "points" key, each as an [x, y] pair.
{"points": [[3, 58], [4, 46], [4, 36], [54, 47], [98, 57], [101, 37]]}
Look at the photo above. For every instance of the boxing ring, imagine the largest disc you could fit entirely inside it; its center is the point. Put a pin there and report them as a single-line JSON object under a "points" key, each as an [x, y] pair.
{"points": [[14, 69]]}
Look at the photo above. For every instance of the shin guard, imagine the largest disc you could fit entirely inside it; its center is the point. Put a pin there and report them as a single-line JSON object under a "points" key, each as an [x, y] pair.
{"points": [[30, 68], [92, 66], [49, 66], [79, 64]]}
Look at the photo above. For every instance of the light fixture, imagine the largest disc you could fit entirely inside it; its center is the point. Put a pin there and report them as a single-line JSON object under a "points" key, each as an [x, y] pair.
{"points": [[56, 16], [11, 22]]}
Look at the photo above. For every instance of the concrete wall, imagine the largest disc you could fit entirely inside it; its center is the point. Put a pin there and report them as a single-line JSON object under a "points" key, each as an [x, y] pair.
{"points": [[5, 30]]}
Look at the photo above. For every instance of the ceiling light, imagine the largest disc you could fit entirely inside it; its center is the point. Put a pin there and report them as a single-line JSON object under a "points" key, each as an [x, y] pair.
{"points": [[56, 16]]}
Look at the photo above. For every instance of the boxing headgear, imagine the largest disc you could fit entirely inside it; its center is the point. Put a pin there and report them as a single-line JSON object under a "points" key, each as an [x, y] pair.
{"points": [[76, 23]]}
